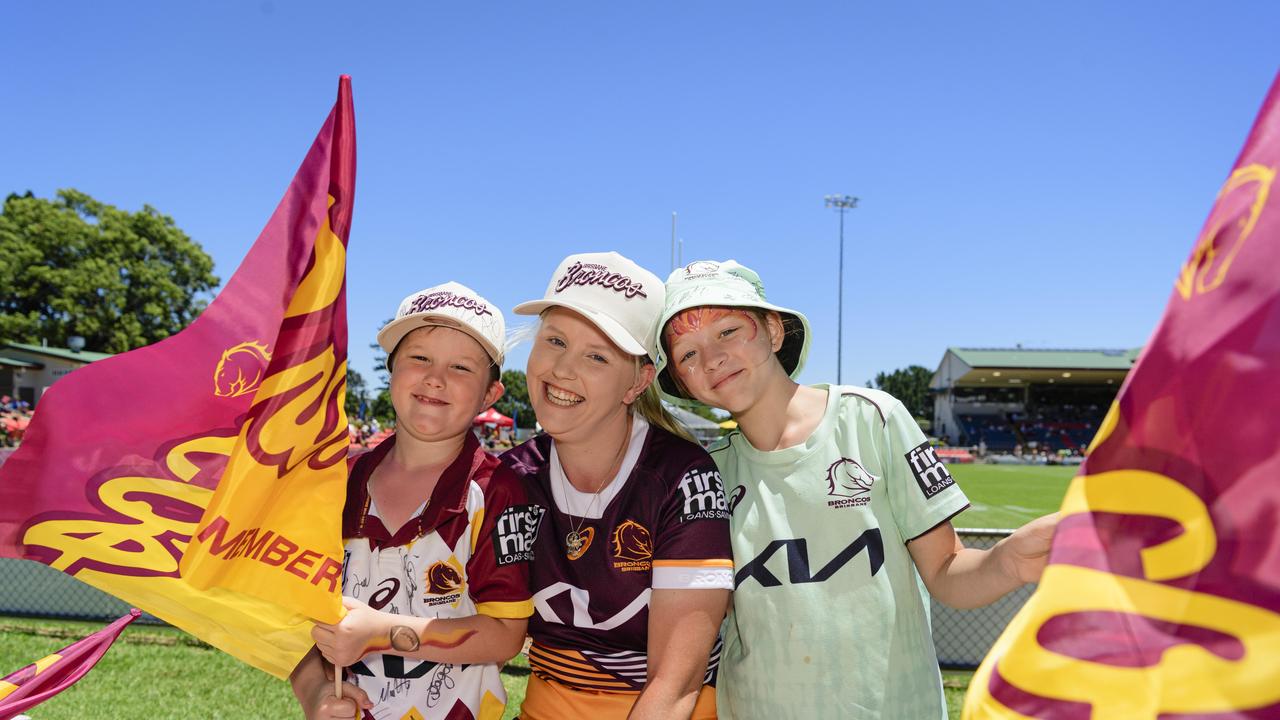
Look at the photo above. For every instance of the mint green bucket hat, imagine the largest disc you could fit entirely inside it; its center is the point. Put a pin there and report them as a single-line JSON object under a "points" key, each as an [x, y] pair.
{"points": [[726, 284]]}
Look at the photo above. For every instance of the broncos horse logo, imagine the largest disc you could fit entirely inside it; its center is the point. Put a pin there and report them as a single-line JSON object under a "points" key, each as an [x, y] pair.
{"points": [[241, 369], [846, 478], [631, 541], [443, 578]]}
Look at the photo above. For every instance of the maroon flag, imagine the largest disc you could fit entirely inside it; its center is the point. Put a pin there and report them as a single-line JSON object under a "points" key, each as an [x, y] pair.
{"points": [[1162, 595], [202, 478], [49, 676]]}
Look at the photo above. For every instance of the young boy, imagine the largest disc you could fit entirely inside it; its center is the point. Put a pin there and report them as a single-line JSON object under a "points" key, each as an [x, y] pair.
{"points": [[436, 589]]}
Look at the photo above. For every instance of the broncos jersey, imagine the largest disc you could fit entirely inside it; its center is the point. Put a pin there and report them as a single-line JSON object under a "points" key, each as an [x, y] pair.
{"points": [[830, 618], [460, 555], [661, 524]]}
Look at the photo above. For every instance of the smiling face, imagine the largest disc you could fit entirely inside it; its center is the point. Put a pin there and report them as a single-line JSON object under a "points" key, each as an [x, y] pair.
{"points": [[723, 357], [579, 381], [439, 383]]}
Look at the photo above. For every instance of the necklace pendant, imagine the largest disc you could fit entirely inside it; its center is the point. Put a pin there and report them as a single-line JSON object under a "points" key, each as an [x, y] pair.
{"points": [[573, 542]]}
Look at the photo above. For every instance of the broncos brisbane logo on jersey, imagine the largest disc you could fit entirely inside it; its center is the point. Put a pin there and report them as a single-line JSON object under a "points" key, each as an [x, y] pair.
{"points": [[849, 483]]}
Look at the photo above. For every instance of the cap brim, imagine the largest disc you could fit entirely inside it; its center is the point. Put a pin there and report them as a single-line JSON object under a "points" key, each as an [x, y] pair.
{"points": [[391, 335], [607, 325]]}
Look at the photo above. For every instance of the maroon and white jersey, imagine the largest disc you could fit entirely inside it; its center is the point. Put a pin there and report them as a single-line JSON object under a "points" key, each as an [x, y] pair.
{"points": [[453, 558], [661, 524]]}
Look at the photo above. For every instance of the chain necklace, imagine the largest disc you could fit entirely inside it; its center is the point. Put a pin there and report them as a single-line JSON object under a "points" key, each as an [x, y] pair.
{"points": [[576, 541]]}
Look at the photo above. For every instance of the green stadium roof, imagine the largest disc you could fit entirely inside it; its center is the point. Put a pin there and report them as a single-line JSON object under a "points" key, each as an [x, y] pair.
{"points": [[56, 352], [1031, 359], [16, 363]]}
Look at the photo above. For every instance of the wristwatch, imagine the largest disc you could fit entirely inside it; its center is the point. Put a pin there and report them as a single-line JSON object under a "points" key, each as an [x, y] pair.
{"points": [[404, 639]]}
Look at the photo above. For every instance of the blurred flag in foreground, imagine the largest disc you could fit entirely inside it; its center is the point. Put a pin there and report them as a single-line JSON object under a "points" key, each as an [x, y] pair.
{"points": [[1162, 596], [202, 478], [49, 676]]}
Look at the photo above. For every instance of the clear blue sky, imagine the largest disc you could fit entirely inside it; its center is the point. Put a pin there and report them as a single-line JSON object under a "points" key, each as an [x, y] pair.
{"points": [[1029, 172]]}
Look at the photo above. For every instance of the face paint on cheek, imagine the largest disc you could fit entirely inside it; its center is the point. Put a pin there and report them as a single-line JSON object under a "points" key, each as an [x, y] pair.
{"points": [[747, 317]]}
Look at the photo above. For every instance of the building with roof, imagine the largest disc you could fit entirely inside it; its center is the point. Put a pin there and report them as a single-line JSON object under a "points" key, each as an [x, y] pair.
{"points": [[1009, 397], [26, 371]]}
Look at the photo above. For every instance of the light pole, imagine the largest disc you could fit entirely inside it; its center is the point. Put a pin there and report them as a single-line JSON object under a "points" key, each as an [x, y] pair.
{"points": [[842, 205]]}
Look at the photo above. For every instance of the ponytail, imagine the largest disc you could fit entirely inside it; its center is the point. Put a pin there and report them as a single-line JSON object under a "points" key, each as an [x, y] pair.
{"points": [[649, 406]]}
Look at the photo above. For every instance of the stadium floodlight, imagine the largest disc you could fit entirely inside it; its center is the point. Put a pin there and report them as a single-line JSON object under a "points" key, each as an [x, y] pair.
{"points": [[842, 204]]}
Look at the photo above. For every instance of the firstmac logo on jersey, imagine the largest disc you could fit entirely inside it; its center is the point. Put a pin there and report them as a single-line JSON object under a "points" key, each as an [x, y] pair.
{"points": [[703, 496], [931, 475], [514, 533]]}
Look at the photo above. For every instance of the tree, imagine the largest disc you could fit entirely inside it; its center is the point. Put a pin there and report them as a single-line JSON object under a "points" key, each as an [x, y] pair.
{"points": [[76, 266], [515, 401], [357, 404], [911, 386]]}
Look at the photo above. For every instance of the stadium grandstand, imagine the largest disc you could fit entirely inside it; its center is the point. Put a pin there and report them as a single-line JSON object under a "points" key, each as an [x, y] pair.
{"points": [[1019, 399]]}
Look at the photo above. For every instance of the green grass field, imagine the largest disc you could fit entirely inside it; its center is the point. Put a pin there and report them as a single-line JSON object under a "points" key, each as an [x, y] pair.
{"points": [[1007, 496], [162, 672]]}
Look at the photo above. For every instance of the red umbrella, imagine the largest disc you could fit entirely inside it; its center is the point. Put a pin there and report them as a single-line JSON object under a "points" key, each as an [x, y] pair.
{"points": [[493, 417]]}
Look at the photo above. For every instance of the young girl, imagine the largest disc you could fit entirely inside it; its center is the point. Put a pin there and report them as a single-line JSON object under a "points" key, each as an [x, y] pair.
{"points": [[632, 564], [436, 594], [840, 517]]}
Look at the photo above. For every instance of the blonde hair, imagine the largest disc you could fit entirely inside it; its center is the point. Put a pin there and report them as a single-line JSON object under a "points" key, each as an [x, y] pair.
{"points": [[649, 406]]}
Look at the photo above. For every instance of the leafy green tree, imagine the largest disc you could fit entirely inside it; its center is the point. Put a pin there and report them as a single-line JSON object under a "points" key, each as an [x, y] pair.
{"points": [[515, 401], [911, 386], [75, 266], [381, 407]]}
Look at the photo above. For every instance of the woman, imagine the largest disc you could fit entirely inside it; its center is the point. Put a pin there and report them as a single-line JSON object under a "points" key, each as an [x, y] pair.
{"points": [[632, 571], [434, 607], [839, 510]]}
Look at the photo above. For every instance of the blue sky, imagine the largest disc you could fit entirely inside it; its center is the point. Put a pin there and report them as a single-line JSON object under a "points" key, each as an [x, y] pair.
{"points": [[1029, 172]]}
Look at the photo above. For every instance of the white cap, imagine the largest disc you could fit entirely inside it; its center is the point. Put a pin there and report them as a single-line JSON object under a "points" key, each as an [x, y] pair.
{"points": [[451, 305], [618, 296]]}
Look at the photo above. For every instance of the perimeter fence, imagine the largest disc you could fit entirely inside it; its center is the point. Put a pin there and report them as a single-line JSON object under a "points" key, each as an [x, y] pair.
{"points": [[29, 589]]}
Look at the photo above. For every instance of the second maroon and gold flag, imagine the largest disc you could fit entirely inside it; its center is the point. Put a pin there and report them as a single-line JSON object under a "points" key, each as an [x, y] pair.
{"points": [[1162, 595], [202, 478]]}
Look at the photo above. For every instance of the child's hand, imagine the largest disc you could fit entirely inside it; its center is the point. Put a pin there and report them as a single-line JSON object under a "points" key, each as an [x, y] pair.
{"points": [[1026, 551], [347, 708], [361, 632]]}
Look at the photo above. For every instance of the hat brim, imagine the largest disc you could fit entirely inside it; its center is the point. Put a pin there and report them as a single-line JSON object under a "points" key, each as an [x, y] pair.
{"points": [[393, 332], [607, 325]]}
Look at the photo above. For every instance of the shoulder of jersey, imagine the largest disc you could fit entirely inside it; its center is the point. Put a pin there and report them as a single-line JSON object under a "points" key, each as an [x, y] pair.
{"points": [[491, 471], [670, 449], [878, 402], [528, 457]]}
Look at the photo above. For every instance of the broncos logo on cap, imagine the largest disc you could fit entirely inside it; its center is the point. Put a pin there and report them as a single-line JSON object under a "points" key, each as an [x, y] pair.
{"points": [[240, 370], [846, 478], [631, 541]]}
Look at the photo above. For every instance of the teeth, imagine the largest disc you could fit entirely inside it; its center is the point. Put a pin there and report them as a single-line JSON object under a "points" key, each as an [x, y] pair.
{"points": [[562, 397]]}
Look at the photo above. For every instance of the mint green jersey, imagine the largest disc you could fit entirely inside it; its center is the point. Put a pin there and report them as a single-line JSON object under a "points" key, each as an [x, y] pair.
{"points": [[830, 618]]}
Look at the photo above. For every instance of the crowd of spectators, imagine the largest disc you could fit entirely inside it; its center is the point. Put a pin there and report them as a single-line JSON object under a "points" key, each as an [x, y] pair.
{"points": [[1044, 431]]}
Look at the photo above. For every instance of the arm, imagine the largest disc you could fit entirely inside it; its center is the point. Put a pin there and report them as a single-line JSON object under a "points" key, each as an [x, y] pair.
{"points": [[682, 629], [966, 578], [471, 639], [313, 687]]}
